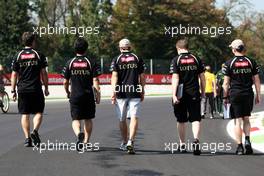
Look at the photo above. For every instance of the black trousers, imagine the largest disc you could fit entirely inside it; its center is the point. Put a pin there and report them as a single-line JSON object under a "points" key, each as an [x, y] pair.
{"points": [[208, 97]]}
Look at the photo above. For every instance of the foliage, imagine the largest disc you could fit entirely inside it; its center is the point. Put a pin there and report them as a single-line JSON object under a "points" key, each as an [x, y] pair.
{"points": [[143, 22]]}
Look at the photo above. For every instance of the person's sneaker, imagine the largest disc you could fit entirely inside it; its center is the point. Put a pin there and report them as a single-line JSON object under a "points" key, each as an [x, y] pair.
{"points": [[28, 142], [130, 147], [196, 147], [182, 148], [123, 146], [79, 143], [240, 149], [35, 138], [1, 104], [248, 147]]}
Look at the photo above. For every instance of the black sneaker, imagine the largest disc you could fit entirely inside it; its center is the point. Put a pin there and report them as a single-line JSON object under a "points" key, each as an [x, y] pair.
{"points": [[1, 104], [79, 143], [28, 142], [248, 147], [196, 147], [240, 149], [182, 149], [35, 138]]}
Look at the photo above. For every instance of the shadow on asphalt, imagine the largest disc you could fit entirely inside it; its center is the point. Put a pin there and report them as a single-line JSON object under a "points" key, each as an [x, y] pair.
{"points": [[143, 172], [16, 113], [10, 113], [161, 152]]}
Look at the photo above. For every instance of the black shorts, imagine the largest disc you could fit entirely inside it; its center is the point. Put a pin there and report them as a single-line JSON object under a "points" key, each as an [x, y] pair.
{"points": [[189, 109], [82, 108], [241, 105], [31, 103]]}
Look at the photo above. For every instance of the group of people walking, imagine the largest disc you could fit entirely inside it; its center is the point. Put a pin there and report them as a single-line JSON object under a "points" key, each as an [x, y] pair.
{"points": [[82, 87]]}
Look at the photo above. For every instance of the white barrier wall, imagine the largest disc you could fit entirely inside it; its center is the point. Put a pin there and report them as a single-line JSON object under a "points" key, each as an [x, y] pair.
{"points": [[106, 90]]}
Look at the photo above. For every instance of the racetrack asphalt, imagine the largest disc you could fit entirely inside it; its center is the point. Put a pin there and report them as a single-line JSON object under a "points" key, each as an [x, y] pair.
{"points": [[157, 127]]}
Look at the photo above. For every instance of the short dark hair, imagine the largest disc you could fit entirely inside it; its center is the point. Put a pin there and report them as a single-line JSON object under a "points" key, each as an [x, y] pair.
{"points": [[182, 43], [240, 48], [80, 45], [28, 38]]}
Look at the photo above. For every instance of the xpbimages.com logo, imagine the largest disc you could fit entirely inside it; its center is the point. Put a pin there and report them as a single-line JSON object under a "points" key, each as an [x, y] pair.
{"points": [[211, 147], [50, 146], [128, 88], [81, 30], [212, 31]]}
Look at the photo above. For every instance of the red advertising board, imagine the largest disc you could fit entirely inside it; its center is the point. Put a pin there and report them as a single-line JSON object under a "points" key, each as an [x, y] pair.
{"points": [[56, 79], [150, 79]]}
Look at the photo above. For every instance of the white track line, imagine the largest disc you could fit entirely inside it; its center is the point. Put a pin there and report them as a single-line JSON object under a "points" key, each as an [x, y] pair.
{"points": [[230, 127]]}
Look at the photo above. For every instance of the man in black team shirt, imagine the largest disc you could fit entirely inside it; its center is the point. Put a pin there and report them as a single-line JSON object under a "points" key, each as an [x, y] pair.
{"points": [[82, 72], [128, 83], [29, 69], [241, 73], [186, 70]]}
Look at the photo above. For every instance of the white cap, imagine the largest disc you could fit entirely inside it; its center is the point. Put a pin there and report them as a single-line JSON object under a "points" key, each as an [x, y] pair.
{"points": [[236, 44], [124, 43]]}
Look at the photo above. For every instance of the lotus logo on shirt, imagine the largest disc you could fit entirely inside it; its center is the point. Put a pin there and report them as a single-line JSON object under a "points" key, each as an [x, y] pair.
{"points": [[125, 63], [28, 59], [128, 66], [188, 64], [240, 68], [80, 68], [80, 72], [188, 68]]}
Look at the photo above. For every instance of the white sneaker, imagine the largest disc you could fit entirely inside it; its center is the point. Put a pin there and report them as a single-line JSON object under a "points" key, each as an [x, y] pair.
{"points": [[123, 146], [130, 147]]}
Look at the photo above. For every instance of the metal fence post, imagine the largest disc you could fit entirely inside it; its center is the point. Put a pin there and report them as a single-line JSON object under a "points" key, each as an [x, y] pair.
{"points": [[151, 66], [102, 65]]}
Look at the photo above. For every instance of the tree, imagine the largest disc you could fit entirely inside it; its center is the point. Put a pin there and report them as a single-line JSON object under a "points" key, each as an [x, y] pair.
{"points": [[143, 22], [252, 33], [249, 26], [57, 47], [74, 14], [98, 14], [14, 20]]}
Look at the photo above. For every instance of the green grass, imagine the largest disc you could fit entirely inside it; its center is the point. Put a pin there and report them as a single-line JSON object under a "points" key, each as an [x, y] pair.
{"points": [[258, 139]]}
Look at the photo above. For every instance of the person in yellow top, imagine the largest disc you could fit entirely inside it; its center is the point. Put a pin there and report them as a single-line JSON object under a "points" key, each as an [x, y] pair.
{"points": [[210, 92]]}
